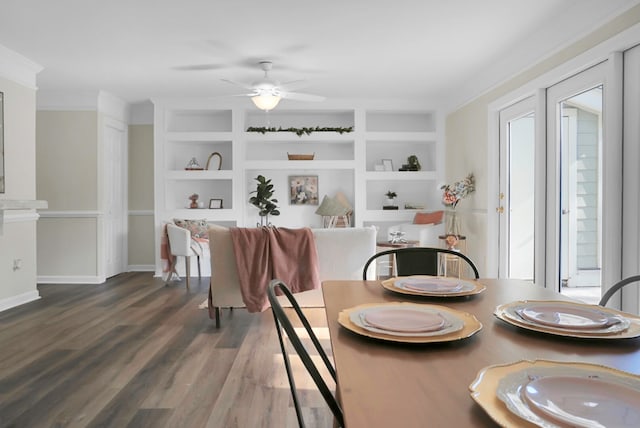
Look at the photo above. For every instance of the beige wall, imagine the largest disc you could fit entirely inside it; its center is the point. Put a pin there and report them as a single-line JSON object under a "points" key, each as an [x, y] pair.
{"points": [[17, 241], [67, 160], [466, 133], [141, 224], [66, 248]]}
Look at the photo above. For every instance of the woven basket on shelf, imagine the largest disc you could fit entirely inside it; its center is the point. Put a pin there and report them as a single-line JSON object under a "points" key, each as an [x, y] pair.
{"points": [[292, 156]]}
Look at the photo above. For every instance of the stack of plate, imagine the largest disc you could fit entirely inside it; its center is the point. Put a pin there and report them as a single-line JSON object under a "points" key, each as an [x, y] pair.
{"points": [[572, 319], [433, 286], [409, 322], [554, 394]]}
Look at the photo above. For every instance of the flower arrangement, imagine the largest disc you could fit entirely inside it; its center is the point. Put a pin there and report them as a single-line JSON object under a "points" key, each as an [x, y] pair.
{"points": [[453, 193]]}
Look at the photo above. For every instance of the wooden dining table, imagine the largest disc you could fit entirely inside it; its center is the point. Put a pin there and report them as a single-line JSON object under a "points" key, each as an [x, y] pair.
{"points": [[385, 384]]}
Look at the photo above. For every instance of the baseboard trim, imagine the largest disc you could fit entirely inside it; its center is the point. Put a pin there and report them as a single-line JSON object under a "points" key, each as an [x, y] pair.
{"points": [[20, 299], [141, 268], [70, 280]]}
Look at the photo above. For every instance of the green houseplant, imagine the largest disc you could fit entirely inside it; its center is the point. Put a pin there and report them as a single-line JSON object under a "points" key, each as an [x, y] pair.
{"points": [[414, 163], [263, 200], [391, 197]]}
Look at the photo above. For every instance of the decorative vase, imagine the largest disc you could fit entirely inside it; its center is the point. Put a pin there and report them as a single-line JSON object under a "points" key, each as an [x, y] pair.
{"points": [[264, 221], [452, 223]]}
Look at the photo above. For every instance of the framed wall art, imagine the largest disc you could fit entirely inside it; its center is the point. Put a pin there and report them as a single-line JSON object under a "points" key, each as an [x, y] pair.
{"points": [[303, 190], [215, 204]]}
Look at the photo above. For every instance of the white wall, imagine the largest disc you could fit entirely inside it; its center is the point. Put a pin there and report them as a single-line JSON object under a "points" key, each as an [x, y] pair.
{"points": [[18, 238]]}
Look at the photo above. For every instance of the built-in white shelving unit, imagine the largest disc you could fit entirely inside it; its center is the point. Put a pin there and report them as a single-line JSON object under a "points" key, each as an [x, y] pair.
{"points": [[343, 162]]}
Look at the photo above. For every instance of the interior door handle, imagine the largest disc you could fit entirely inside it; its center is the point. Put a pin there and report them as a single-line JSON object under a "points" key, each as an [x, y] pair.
{"points": [[565, 212]]}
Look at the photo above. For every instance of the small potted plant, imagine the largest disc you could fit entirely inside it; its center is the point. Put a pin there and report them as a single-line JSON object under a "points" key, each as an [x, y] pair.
{"points": [[263, 200], [391, 198]]}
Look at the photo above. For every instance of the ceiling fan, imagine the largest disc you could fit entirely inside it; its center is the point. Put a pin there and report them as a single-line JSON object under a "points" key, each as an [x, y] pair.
{"points": [[266, 93]]}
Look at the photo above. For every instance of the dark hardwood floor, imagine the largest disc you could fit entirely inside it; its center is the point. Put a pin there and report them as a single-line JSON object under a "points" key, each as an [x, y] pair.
{"points": [[133, 352]]}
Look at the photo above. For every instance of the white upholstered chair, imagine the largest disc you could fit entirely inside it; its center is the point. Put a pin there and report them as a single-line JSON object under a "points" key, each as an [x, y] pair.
{"points": [[342, 254], [181, 245], [426, 234]]}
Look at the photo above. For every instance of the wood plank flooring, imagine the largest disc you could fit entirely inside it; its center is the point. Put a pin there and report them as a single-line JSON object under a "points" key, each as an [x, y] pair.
{"points": [[133, 352]]}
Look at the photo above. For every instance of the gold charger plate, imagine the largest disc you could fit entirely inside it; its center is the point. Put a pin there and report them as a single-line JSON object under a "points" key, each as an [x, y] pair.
{"points": [[471, 324], [503, 312], [485, 386], [389, 284]]}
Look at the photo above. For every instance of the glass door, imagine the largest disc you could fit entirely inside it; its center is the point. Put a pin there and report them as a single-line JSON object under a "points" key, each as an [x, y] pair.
{"points": [[574, 185], [517, 189]]}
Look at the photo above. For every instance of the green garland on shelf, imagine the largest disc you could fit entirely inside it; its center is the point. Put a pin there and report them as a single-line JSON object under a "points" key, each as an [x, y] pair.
{"points": [[299, 131]]}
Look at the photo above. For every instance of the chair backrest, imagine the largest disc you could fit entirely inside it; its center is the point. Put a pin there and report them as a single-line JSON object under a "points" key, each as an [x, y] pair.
{"points": [[283, 323], [419, 260], [617, 286]]}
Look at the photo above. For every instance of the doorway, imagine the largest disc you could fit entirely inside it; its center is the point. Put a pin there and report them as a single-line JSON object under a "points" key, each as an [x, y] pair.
{"points": [[575, 134]]}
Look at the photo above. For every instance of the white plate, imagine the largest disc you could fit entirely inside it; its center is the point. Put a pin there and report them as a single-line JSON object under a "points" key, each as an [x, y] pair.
{"points": [[570, 396], [567, 316], [511, 312], [584, 401], [432, 285], [451, 322]]}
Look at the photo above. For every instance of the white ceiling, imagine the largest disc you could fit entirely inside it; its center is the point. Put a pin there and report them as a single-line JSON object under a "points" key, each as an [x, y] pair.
{"points": [[406, 49]]}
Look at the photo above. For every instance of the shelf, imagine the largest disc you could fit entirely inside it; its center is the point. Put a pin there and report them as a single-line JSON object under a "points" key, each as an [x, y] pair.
{"points": [[282, 118], [343, 162], [199, 175], [401, 175], [401, 136], [197, 120], [300, 164], [22, 204], [197, 137], [389, 215], [400, 121], [287, 137]]}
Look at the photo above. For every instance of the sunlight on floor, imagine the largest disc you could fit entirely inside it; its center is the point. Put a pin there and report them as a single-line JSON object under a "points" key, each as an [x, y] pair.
{"points": [[590, 295]]}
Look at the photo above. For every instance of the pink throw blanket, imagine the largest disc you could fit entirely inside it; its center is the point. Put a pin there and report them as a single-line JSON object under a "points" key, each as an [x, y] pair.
{"points": [[266, 253]]}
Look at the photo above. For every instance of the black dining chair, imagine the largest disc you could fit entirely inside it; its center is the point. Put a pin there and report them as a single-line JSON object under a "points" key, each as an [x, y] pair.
{"points": [[284, 323], [617, 286], [420, 260]]}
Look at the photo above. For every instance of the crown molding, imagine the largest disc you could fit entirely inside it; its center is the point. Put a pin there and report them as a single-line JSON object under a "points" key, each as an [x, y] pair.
{"points": [[18, 68], [66, 101]]}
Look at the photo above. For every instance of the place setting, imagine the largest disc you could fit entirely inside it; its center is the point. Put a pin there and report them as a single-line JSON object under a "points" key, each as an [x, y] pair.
{"points": [[433, 286], [552, 394], [409, 322], [570, 319]]}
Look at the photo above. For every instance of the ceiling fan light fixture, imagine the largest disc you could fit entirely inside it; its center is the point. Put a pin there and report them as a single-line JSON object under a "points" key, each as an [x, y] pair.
{"points": [[266, 102]]}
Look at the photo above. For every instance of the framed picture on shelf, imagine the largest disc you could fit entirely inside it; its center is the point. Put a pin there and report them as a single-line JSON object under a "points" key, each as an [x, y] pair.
{"points": [[388, 164], [215, 204], [303, 190]]}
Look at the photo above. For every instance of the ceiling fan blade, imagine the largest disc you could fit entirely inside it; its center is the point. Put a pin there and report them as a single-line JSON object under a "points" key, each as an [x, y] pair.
{"points": [[242, 85], [198, 67], [293, 85], [302, 97]]}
